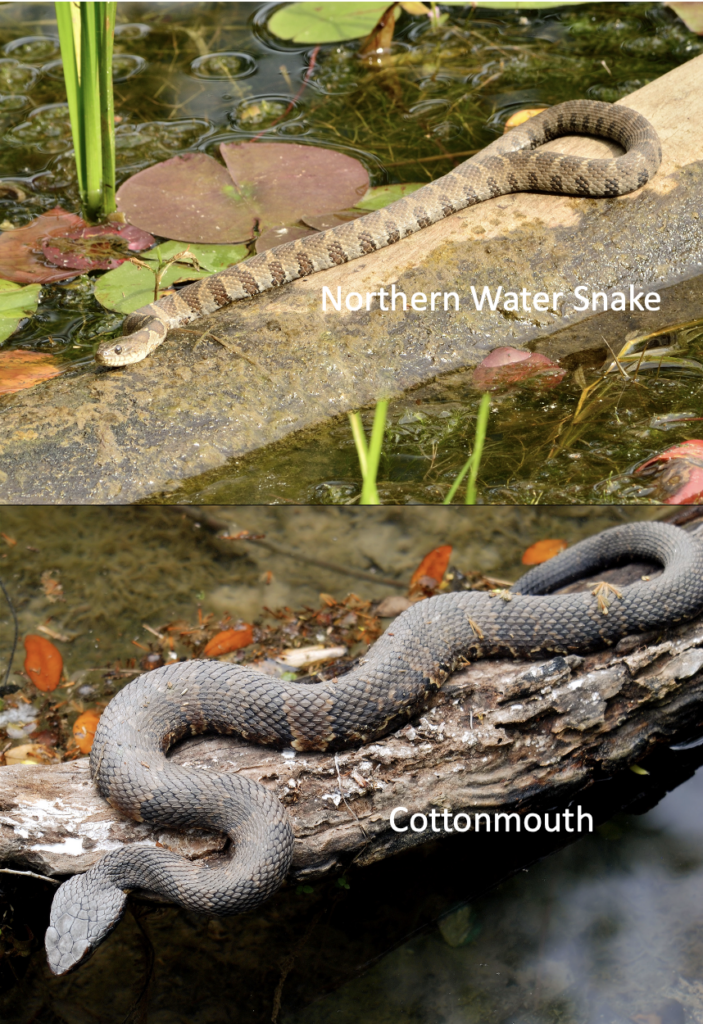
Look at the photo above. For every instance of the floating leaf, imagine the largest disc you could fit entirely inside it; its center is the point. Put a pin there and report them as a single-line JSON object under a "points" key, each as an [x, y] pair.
{"points": [[517, 5], [325, 22], [277, 236], [542, 551], [229, 640], [18, 260], [84, 730], [16, 303], [99, 247], [20, 369], [284, 181], [382, 195], [691, 14], [190, 198], [521, 116], [430, 572], [505, 366], [130, 287], [43, 663]]}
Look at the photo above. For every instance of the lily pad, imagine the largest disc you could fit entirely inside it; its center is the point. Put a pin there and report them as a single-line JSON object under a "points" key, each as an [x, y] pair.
{"points": [[99, 247], [283, 181], [325, 22], [20, 369], [277, 236], [16, 303], [383, 195], [190, 198], [19, 261], [130, 286]]}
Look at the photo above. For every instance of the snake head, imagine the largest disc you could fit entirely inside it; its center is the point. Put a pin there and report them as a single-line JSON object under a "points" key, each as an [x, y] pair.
{"points": [[83, 913]]}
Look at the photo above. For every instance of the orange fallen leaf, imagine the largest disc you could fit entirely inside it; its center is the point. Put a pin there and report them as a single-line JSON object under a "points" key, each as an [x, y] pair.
{"points": [[542, 551], [432, 566], [10, 541], [521, 116], [43, 663], [84, 730], [229, 640], [20, 369]]}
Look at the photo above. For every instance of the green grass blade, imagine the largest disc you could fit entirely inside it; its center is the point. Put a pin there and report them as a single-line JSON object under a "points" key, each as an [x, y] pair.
{"points": [[90, 91], [474, 460], [107, 105], [481, 427], [369, 492], [362, 451], [70, 42]]}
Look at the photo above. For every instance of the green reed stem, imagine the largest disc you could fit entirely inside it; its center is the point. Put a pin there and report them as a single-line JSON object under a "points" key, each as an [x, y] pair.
{"points": [[86, 32], [369, 455], [471, 466]]}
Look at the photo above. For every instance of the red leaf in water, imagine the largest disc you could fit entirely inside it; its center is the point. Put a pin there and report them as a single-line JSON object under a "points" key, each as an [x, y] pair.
{"points": [[677, 473], [189, 198], [277, 236], [99, 247], [505, 366], [20, 369], [542, 551], [20, 259], [431, 569], [284, 181]]}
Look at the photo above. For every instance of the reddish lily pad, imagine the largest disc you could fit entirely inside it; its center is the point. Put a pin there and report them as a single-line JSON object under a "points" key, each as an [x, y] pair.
{"points": [[277, 236], [20, 250], [505, 366], [284, 181], [189, 198], [20, 369], [100, 247], [677, 473]]}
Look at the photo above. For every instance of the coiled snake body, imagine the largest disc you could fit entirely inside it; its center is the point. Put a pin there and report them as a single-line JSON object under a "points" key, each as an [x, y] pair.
{"points": [[507, 165], [129, 765]]}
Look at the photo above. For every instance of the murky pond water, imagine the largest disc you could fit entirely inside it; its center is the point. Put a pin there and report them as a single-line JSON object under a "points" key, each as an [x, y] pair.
{"points": [[463, 931], [190, 76]]}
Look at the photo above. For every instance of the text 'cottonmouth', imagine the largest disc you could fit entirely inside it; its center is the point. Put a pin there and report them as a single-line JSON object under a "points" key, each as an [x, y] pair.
{"points": [[400, 670], [510, 164]]}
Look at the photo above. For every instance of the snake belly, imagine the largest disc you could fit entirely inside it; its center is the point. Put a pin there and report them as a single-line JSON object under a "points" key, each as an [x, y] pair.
{"points": [[513, 163], [129, 764]]}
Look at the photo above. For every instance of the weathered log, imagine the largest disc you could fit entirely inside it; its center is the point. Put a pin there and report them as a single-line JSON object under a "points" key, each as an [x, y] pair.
{"points": [[501, 736]]}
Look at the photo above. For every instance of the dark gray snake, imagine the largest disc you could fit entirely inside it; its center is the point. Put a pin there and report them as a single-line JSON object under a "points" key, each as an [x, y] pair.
{"points": [[507, 165], [403, 667]]}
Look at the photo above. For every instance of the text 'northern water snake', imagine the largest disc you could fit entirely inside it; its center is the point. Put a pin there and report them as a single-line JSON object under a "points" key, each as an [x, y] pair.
{"points": [[513, 163], [388, 685]]}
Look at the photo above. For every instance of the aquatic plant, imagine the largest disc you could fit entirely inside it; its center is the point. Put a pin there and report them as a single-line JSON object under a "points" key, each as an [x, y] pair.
{"points": [[86, 33], [474, 461], [369, 454]]}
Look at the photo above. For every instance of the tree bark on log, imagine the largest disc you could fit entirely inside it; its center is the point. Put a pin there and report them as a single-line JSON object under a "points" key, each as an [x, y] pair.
{"points": [[503, 735]]}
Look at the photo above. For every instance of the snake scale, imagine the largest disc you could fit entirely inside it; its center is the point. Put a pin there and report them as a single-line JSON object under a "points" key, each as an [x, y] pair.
{"points": [[510, 164], [129, 764]]}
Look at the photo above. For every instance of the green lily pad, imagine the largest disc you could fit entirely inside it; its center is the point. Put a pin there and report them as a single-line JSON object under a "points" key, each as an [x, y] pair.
{"points": [[16, 303], [382, 195], [325, 22], [130, 286]]}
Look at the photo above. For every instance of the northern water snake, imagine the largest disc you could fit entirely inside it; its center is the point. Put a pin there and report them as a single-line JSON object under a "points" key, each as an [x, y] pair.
{"points": [[427, 641], [507, 165]]}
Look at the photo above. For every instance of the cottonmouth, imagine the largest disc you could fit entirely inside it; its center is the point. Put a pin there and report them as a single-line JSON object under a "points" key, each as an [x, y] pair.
{"points": [[407, 663], [506, 165]]}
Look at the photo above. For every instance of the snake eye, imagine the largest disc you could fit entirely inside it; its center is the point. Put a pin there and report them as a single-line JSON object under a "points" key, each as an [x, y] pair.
{"points": [[118, 349]]}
